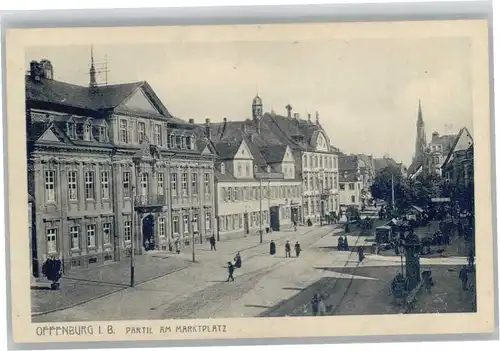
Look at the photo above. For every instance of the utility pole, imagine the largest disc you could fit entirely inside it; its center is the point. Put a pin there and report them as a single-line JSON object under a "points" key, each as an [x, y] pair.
{"points": [[132, 239], [260, 204], [392, 187]]}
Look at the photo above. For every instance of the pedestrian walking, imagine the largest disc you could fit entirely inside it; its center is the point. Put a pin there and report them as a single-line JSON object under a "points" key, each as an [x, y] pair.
{"points": [[288, 249], [346, 244], [294, 226], [463, 277], [177, 246], [321, 305], [212, 243], [315, 305], [230, 271], [272, 248], [297, 249], [361, 254], [237, 260]]}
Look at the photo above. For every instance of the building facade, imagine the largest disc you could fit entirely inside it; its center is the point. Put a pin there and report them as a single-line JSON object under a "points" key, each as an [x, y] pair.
{"points": [[108, 165], [316, 162], [351, 185]]}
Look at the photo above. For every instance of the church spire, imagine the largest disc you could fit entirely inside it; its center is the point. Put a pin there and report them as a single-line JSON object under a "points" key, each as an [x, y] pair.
{"points": [[93, 82], [420, 120]]}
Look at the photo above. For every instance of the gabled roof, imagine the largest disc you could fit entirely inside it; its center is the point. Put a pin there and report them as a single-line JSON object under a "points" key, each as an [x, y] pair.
{"points": [[227, 149], [454, 144]]}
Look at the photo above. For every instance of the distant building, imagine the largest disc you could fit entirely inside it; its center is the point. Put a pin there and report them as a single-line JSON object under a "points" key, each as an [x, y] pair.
{"points": [[257, 186], [103, 157], [351, 185]]}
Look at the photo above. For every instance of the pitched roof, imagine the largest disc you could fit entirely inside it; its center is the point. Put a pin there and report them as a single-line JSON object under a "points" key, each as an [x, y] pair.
{"points": [[273, 153], [348, 163], [227, 149], [102, 98], [454, 144], [414, 167]]}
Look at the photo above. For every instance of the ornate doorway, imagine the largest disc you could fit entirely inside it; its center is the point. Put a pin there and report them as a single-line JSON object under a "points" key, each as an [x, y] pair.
{"points": [[148, 237]]}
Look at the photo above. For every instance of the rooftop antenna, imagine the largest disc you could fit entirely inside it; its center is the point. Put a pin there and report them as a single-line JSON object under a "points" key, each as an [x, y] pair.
{"points": [[100, 68]]}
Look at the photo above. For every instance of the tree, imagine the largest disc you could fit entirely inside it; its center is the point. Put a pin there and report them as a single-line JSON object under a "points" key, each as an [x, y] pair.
{"points": [[382, 186]]}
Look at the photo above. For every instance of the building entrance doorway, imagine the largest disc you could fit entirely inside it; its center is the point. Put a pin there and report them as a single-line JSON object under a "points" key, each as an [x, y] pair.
{"points": [[148, 237]]}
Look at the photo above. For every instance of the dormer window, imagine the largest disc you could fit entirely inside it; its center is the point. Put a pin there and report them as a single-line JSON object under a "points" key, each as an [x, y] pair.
{"points": [[255, 169], [87, 131], [222, 168], [178, 141], [192, 143], [103, 134], [71, 130], [183, 142], [268, 169]]}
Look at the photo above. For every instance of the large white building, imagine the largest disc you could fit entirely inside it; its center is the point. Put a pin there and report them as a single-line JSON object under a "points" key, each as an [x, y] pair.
{"points": [[316, 162]]}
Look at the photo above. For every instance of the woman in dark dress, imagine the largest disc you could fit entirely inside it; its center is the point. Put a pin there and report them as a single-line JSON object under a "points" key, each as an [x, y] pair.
{"points": [[272, 248]]}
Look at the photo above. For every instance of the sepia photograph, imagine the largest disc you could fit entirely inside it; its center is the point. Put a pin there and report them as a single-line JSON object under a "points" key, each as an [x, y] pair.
{"points": [[304, 170]]}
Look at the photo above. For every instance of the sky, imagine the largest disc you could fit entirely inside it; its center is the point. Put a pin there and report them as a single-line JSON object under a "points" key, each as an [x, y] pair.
{"points": [[366, 91]]}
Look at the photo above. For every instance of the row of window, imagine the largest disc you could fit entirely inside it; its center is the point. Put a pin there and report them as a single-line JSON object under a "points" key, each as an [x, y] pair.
{"points": [[176, 139], [254, 192], [237, 221], [314, 182], [314, 206], [90, 184], [87, 131], [75, 234], [90, 235], [321, 161]]}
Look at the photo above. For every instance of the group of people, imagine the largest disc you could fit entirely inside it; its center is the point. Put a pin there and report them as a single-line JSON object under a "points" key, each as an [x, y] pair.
{"points": [[288, 249], [318, 305], [231, 267]]}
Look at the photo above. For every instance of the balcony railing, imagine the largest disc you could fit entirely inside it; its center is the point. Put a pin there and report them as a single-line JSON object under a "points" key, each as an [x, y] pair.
{"points": [[150, 200]]}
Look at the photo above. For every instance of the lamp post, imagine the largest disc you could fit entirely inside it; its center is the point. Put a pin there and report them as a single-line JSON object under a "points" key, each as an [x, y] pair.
{"points": [[192, 235], [132, 239]]}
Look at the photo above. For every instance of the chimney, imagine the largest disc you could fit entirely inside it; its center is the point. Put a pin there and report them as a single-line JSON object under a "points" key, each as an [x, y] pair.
{"points": [[289, 110], [46, 68], [317, 117], [207, 127], [35, 72], [296, 115], [191, 121], [309, 117]]}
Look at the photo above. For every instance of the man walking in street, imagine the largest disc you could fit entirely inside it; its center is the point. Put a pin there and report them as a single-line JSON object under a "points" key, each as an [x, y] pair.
{"points": [[297, 249], [463, 277], [288, 249], [230, 271], [212, 243]]}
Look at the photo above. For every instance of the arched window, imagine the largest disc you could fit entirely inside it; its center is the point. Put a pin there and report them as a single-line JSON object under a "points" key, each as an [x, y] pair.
{"points": [[222, 168], [171, 141], [183, 142], [268, 169], [255, 169]]}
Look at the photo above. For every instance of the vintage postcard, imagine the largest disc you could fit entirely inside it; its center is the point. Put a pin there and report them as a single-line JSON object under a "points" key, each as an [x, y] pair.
{"points": [[249, 181]]}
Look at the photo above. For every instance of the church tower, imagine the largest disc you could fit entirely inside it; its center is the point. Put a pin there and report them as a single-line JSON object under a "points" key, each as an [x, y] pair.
{"points": [[257, 112], [421, 142]]}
